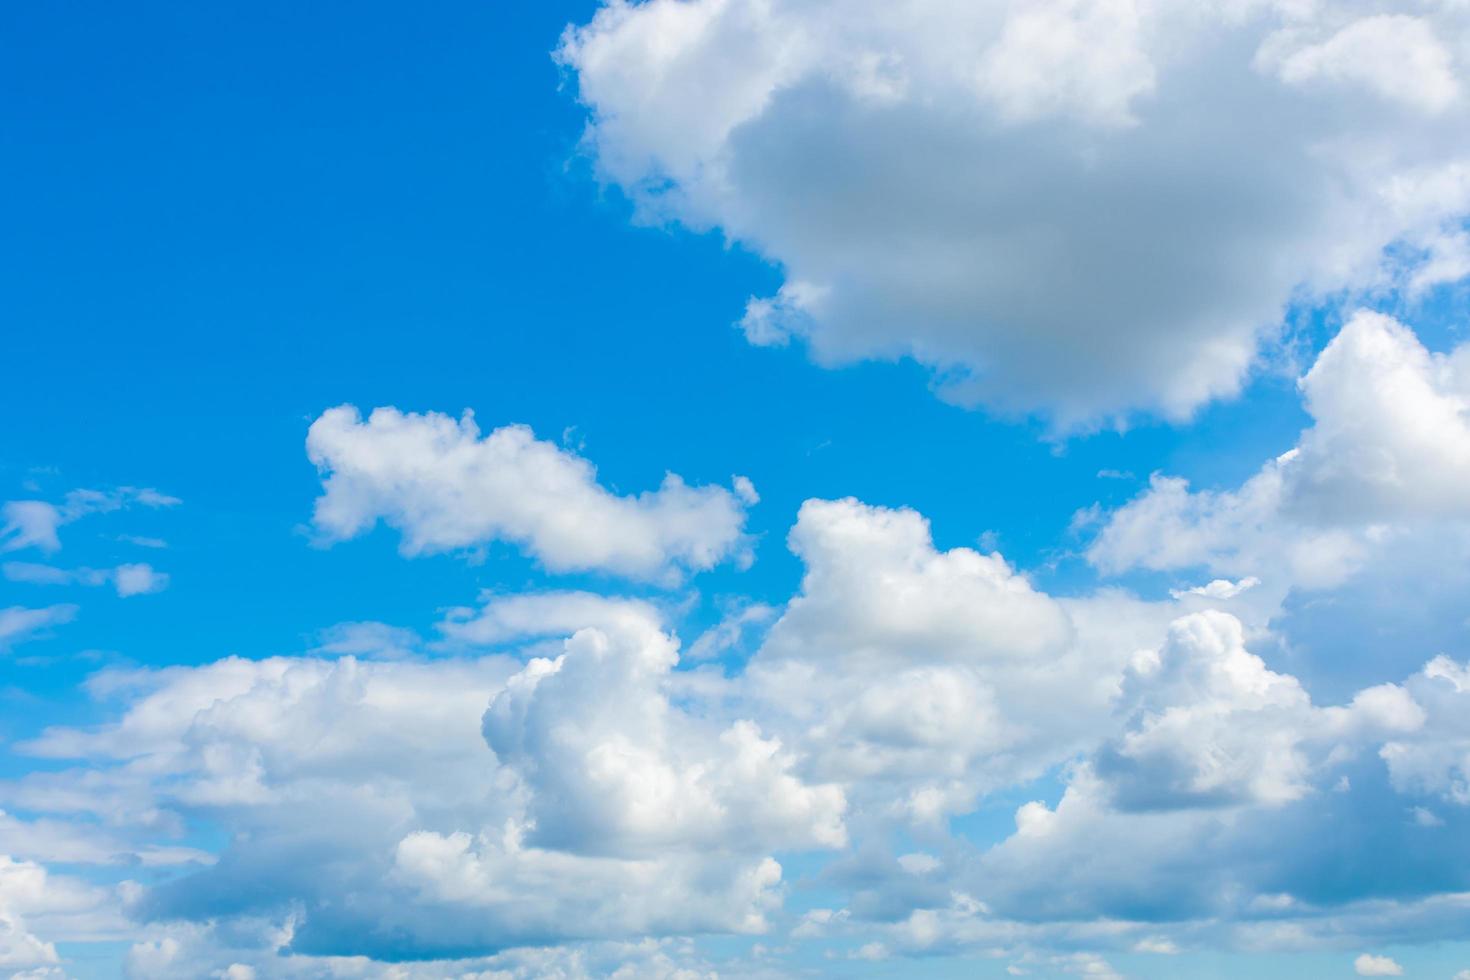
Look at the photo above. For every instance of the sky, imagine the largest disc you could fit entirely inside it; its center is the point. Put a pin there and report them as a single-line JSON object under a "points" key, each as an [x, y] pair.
{"points": [[735, 488]]}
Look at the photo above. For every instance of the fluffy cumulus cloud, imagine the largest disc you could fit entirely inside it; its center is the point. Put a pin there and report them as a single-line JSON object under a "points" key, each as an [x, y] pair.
{"points": [[632, 774], [35, 903], [21, 883], [1435, 761], [1210, 725], [1083, 207], [444, 487], [1387, 456], [923, 676]]}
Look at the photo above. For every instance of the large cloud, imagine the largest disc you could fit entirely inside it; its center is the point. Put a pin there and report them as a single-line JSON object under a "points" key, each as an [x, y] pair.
{"points": [[383, 809], [445, 488], [1078, 206]]}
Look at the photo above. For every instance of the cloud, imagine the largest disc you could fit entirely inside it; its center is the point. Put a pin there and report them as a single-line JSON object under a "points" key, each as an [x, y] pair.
{"points": [[128, 580], [182, 951], [18, 947], [635, 775], [1368, 965], [35, 903], [1389, 448], [68, 842], [1216, 801], [29, 523], [138, 579], [1220, 588], [506, 618], [1395, 56], [1079, 208], [367, 639], [447, 805], [727, 634], [1211, 725], [447, 489], [920, 678], [1436, 759], [17, 623], [34, 523]]}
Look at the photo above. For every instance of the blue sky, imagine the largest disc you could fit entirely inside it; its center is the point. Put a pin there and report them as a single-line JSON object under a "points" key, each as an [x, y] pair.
{"points": [[904, 260]]}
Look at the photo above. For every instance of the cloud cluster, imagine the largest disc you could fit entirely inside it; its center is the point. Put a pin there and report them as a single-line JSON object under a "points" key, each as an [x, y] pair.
{"points": [[575, 787], [445, 488], [1082, 208], [415, 808], [546, 786]]}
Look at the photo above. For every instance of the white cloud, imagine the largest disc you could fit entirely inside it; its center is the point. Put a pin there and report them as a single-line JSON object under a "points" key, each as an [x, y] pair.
{"points": [[67, 842], [505, 618], [38, 909], [1369, 965], [1388, 452], [1208, 724], [1395, 55], [181, 951], [1212, 723], [445, 488], [727, 634], [1213, 803], [1082, 207], [1436, 759], [1063, 57], [367, 639], [138, 579], [920, 677], [128, 580], [29, 523], [18, 947], [634, 774], [601, 799], [34, 523], [1220, 588], [18, 623], [529, 894]]}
